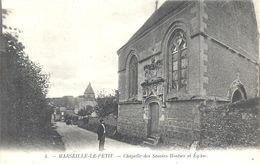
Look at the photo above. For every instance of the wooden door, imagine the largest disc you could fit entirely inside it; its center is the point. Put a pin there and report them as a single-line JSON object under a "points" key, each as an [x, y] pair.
{"points": [[154, 119]]}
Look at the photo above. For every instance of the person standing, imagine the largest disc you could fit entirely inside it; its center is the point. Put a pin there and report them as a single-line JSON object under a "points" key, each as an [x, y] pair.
{"points": [[101, 131]]}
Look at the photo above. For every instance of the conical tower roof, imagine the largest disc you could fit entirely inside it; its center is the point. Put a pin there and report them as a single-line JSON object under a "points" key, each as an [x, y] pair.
{"points": [[89, 89], [89, 93]]}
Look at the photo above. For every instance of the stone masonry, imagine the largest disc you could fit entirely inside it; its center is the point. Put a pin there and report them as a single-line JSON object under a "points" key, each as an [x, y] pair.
{"points": [[217, 47]]}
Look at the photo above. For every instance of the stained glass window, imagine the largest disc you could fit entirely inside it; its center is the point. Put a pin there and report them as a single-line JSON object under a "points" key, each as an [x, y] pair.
{"points": [[133, 77], [179, 61]]}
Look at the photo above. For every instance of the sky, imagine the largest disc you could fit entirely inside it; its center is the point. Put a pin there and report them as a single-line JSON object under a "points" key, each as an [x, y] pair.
{"points": [[75, 41]]}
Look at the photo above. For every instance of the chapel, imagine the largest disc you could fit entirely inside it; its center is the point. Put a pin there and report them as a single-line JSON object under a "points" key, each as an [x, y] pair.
{"points": [[186, 54]]}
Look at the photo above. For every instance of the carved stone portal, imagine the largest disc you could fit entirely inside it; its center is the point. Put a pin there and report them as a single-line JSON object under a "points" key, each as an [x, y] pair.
{"points": [[153, 70], [153, 89], [153, 84]]}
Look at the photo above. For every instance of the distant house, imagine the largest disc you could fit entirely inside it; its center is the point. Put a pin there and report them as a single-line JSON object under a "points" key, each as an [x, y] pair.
{"points": [[62, 113], [59, 113]]}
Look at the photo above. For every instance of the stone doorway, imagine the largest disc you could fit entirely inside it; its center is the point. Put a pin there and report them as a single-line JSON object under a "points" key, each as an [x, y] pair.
{"points": [[153, 122]]}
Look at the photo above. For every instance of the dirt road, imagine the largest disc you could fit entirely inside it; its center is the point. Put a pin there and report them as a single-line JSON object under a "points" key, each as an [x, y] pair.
{"points": [[78, 139]]}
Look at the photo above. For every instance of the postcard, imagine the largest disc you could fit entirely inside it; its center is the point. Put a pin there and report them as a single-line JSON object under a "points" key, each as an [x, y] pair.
{"points": [[173, 81]]}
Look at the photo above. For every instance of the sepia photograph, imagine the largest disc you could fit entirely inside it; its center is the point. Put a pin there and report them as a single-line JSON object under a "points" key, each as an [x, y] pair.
{"points": [[129, 81]]}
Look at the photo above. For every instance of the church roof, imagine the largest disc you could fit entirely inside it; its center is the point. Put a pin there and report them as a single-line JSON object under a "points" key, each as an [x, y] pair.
{"points": [[158, 15], [89, 89]]}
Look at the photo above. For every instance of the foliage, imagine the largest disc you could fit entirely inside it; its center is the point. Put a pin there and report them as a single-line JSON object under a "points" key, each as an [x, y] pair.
{"points": [[107, 103], [111, 131], [230, 125], [66, 101], [26, 113], [82, 112], [92, 125], [69, 102]]}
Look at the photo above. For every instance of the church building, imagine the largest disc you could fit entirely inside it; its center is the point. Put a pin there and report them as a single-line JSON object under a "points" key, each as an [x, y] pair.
{"points": [[87, 101], [187, 53]]}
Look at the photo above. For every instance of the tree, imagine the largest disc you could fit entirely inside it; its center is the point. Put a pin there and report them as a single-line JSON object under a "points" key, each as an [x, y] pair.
{"points": [[107, 103], [25, 111], [87, 110], [82, 112]]}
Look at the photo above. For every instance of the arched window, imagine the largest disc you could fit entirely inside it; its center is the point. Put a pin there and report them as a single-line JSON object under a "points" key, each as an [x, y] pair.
{"points": [[237, 96], [133, 77], [237, 91], [178, 61]]}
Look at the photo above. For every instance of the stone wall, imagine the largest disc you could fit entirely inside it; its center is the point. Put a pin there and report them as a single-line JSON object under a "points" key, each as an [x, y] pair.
{"points": [[151, 45], [224, 67], [231, 125], [209, 122], [232, 39], [130, 120], [182, 122], [228, 46], [222, 46], [233, 23]]}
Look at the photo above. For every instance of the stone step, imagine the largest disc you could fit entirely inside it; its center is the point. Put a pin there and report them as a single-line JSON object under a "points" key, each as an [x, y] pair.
{"points": [[155, 137], [151, 141], [145, 143]]}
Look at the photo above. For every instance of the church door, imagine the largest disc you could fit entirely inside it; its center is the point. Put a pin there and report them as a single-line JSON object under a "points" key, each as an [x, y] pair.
{"points": [[154, 119]]}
